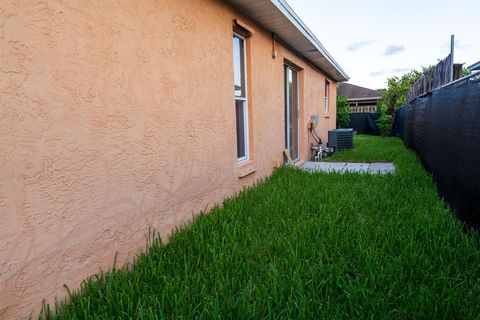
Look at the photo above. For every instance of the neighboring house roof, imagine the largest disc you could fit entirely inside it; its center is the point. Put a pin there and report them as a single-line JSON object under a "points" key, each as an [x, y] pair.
{"points": [[353, 92], [475, 66], [276, 16]]}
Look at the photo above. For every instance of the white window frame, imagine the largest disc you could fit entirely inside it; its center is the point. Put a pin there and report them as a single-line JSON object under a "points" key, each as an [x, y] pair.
{"points": [[245, 102]]}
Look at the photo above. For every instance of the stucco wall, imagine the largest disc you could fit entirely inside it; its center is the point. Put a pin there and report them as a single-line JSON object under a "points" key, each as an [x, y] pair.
{"points": [[116, 116]]}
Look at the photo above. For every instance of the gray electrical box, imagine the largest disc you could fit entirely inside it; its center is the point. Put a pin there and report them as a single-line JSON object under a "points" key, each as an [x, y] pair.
{"points": [[340, 139]]}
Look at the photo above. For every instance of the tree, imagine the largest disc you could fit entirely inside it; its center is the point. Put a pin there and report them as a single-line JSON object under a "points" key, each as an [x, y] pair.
{"points": [[466, 72], [394, 96], [343, 112]]}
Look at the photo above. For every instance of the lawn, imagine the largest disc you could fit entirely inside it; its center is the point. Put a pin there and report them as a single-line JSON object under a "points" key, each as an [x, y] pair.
{"points": [[305, 245]]}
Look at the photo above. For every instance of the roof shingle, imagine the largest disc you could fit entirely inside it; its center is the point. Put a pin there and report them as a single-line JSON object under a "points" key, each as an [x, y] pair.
{"points": [[352, 91]]}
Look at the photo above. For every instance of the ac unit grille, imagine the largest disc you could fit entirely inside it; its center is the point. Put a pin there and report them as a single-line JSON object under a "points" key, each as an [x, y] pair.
{"points": [[340, 139]]}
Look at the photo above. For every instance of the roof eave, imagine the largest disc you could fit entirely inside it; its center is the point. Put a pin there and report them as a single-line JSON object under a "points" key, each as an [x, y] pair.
{"points": [[288, 12], [364, 99], [474, 66], [291, 30]]}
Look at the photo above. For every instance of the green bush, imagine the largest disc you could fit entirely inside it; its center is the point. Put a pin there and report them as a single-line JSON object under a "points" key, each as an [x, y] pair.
{"points": [[394, 96], [385, 124], [343, 112]]}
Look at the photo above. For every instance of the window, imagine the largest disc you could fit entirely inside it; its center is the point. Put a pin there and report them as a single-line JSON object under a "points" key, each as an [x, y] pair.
{"points": [[241, 103], [327, 87]]}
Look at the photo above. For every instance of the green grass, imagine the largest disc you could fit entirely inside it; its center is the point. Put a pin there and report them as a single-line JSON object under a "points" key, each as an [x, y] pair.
{"points": [[305, 245], [374, 149]]}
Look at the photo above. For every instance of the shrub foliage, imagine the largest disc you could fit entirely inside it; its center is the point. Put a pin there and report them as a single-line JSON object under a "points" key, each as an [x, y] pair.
{"points": [[343, 112]]}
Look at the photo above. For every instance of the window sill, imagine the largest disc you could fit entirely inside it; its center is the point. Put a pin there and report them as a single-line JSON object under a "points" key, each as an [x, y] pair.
{"points": [[246, 168]]}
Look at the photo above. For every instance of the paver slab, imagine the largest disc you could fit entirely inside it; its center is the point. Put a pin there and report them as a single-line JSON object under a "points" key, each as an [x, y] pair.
{"points": [[357, 167]]}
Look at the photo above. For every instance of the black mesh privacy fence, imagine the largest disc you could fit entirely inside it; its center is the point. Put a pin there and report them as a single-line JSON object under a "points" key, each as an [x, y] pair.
{"points": [[364, 122], [443, 128]]}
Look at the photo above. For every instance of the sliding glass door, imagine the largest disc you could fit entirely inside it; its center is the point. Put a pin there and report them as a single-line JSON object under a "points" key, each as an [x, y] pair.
{"points": [[291, 113]]}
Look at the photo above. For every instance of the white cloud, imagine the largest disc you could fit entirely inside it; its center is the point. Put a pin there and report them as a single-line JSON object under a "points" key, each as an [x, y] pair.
{"points": [[393, 49], [358, 45]]}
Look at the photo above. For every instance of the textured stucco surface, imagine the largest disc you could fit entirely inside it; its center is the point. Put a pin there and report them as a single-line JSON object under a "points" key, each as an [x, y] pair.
{"points": [[117, 116]]}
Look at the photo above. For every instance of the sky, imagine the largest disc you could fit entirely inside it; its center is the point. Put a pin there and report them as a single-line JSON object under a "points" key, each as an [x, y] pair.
{"points": [[373, 40]]}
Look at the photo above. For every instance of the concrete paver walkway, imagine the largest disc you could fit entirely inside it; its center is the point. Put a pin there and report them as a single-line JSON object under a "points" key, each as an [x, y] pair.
{"points": [[372, 168]]}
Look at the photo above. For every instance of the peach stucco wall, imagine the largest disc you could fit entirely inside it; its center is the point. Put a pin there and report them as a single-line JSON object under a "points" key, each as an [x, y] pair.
{"points": [[117, 116]]}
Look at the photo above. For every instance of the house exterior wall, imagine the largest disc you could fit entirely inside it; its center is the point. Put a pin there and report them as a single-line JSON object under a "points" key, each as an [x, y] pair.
{"points": [[118, 116]]}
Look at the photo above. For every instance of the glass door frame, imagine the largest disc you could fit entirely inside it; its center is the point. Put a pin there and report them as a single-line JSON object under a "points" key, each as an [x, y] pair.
{"points": [[295, 81]]}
